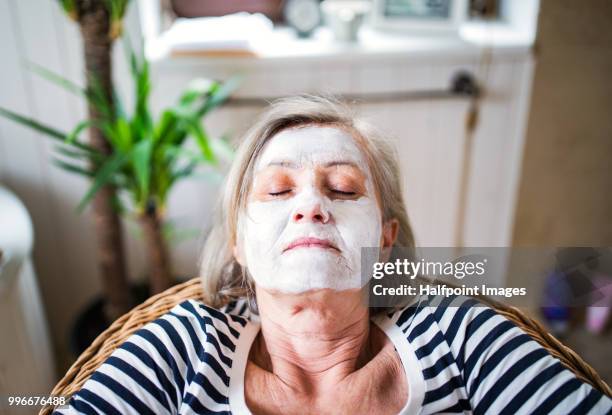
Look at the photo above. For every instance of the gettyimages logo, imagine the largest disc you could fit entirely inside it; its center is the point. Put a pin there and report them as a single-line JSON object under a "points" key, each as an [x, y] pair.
{"points": [[458, 268]]}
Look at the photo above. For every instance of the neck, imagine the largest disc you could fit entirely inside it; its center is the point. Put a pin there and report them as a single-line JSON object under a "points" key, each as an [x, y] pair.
{"points": [[312, 341]]}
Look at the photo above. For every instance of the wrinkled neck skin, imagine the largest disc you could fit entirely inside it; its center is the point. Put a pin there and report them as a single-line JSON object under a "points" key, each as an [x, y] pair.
{"points": [[318, 353], [312, 341]]}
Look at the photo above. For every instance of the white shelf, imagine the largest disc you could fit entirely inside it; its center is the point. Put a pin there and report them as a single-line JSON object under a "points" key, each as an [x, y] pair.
{"points": [[284, 46], [513, 34]]}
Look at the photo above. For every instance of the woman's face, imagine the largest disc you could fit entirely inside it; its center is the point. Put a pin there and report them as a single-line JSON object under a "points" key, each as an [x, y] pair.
{"points": [[311, 208]]}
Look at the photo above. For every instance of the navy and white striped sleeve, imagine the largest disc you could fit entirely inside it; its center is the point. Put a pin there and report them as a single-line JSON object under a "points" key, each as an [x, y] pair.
{"points": [[506, 372], [145, 375]]}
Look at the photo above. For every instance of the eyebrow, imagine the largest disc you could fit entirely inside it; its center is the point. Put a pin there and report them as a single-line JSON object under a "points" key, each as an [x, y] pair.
{"points": [[292, 165]]}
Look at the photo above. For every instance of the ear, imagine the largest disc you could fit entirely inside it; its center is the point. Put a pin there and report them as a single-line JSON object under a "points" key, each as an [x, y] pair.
{"points": [[389, 233], [388, 238]]}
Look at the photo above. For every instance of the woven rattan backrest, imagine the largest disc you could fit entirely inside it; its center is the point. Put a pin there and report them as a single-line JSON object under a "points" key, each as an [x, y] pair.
{"points": [[161, 303]]}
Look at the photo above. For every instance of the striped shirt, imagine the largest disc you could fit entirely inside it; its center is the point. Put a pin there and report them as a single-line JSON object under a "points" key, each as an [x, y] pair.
{"points": [[459, 357]]}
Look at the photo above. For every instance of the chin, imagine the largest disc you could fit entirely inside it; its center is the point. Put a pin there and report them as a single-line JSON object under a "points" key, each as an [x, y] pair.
{"points": [[312, 283]]}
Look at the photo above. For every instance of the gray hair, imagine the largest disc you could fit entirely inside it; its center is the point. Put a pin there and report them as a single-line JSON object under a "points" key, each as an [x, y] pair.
{"points": [[223, 278]]}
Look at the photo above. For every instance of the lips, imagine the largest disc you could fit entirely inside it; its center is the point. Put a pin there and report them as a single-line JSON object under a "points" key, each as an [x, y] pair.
{"points": [[310, 242]]}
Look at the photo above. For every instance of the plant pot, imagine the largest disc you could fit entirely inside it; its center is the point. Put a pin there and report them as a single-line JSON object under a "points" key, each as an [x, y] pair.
{"points": [[92, 321]]}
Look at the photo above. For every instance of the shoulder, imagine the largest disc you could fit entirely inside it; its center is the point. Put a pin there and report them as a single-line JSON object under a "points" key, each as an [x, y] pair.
{"points": [[235, 312], [454, 335], [186, 352], [454, 320], [477, 354], [199, 318], [186, 331]]}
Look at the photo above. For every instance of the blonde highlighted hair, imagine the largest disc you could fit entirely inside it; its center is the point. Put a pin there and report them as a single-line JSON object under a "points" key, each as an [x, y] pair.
{"points": [[223, 278]]}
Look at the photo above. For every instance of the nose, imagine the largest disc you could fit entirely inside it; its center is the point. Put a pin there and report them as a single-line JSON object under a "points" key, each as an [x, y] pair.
{"points": [[311, 213]]}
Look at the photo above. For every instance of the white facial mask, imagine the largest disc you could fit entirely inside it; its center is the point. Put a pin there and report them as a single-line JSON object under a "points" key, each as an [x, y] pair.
{"points": [[268, 227]]}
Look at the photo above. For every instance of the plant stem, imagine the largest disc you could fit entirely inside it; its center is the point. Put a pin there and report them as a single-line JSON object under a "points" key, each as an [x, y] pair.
{"points": [[157, 250], [94, 22]]}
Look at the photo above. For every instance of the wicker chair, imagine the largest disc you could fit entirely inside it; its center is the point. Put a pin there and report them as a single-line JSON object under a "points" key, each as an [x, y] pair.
{"points": [[161, 303]]}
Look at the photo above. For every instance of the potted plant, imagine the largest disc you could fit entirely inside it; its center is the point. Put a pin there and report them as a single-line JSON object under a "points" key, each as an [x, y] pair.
{"points": [[147, 158], [140, 161]]}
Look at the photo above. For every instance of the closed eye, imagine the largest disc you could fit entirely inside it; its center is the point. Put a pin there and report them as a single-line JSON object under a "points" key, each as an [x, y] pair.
{"points": [[341, 192], [282, 192]]}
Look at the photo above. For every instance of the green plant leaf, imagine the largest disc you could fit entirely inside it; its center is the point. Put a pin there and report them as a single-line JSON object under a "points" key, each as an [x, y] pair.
{"points": [[103, 176], [33, 124], [141, 158], [58, 80], [97, 97], [197, 88], [142, 123], [69, 7], [165, 128], [73, 168], [122, 134], [185, 171], [45, 129], [201, 137], [220, 93], [118, 106], [74, 134], [116, 10], [72, 153]]}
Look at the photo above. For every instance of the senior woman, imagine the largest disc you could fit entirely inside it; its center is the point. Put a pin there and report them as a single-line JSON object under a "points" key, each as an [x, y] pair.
{"points": [[284, 328]]}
